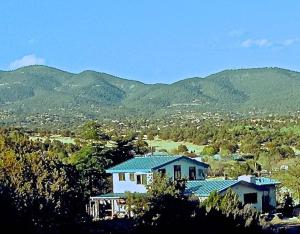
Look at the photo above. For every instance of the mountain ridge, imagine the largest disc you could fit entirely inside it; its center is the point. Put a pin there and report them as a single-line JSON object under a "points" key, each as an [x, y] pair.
{"points": [[41, 89]]}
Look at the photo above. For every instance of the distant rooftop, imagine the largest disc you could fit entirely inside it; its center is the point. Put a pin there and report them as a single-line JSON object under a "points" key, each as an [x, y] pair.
{"points": [[265, 181], [148, 163]]}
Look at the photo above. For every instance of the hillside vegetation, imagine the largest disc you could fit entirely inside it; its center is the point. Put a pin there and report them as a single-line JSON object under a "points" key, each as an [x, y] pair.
{"points": [[40, 89]]}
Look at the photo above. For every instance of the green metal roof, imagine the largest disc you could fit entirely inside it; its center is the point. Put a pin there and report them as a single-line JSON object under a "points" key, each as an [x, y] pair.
{"points": [[265, 181], [149, 163], [203, 188]]}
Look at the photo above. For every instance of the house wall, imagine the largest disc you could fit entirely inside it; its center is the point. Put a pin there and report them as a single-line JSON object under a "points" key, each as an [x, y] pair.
{"points": [[271, 191], [241, 189], [130, 186], [185, 164]]}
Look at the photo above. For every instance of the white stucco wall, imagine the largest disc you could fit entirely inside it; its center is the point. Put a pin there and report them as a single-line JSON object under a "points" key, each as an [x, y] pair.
{"points": [[129, 186]]}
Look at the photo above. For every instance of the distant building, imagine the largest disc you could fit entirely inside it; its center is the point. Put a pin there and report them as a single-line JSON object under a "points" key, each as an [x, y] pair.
{"points": [[134, 174]]}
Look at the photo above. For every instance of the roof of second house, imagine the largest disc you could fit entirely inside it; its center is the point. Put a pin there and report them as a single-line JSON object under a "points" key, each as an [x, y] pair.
{"points": [[149, 163], [203, 188], [265, 181]]}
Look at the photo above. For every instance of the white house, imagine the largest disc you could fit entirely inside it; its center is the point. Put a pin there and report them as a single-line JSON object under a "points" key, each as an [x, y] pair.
{"points": [[134, 174]]}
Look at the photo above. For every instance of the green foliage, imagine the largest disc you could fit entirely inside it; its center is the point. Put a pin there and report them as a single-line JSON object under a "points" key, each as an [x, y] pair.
{"points": [[136, 203], [91, 162], [182, 149], [42, 190], [37, 89], [92, 131], [44, 186], [230, 206], [141, 147], [168, 212], [290, 178], [235, 169], [210, 150]]}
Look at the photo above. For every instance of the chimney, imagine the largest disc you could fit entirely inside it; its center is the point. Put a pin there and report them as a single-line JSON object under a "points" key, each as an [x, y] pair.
{"points": [[247, 178]]}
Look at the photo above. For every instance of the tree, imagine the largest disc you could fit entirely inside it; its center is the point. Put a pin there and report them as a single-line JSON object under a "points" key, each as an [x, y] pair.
{"points": [[288, 205], [91, 162], [167, 206], [136, 204], [150, 136], [210, 150], [290, 178], [44, 191], [241, 217], [91, 130], [182, 148], [141, 146], [235, 169]]}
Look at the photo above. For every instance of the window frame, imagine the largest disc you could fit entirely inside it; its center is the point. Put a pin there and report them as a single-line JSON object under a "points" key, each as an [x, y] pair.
{"points": [[194, 173], [132, 177], [138, 179], [122, 176], [177, 172]]}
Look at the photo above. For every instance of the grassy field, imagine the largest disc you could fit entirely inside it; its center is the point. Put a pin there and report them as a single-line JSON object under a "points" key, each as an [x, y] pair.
{"points": [[292, 129], [170, 145], [65, 140]]}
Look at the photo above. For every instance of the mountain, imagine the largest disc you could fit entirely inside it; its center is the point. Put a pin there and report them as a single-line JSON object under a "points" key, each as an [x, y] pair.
{"points": [[42, 89]]}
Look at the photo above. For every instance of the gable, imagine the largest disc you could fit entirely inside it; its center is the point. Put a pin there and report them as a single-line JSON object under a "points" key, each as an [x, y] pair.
{"points": [[184, 160], [242, 185]]}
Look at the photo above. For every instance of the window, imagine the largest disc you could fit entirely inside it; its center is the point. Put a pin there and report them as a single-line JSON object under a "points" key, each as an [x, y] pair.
{"points": [[138, 179], [131, 176], [162, 171], [144, 179], [192, 173], [177, 172], [250, 198], [141, 179], [201, 174], [121, 176]]}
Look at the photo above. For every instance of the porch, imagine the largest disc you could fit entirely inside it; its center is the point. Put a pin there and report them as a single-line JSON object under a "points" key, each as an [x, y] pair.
{"points": [[107, 206]]}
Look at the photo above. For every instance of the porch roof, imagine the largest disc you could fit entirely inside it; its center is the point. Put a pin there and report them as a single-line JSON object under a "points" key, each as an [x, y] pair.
{"points": [[109, 195]]}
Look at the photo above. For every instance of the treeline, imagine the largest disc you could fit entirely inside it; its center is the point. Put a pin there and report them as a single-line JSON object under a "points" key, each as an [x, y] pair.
{"points": [[45, 185]]}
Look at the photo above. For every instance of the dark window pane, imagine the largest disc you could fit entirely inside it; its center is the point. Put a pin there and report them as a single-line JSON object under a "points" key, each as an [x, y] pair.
{"points": [[177, 172], [250, 198], [162, 171], [138, 179], [192, 173]]}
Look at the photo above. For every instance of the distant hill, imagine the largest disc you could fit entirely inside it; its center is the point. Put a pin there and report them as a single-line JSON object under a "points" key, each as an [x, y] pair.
{"points": [[41, 89]]}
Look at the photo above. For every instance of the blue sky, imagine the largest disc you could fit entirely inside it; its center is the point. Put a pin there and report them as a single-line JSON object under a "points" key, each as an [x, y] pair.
{"points": [[151, 41]]}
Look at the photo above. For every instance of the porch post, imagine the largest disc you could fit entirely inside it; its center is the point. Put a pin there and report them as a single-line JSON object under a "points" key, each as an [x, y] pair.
{"points": [[90, 208], [112, 208], [97, 209]]}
